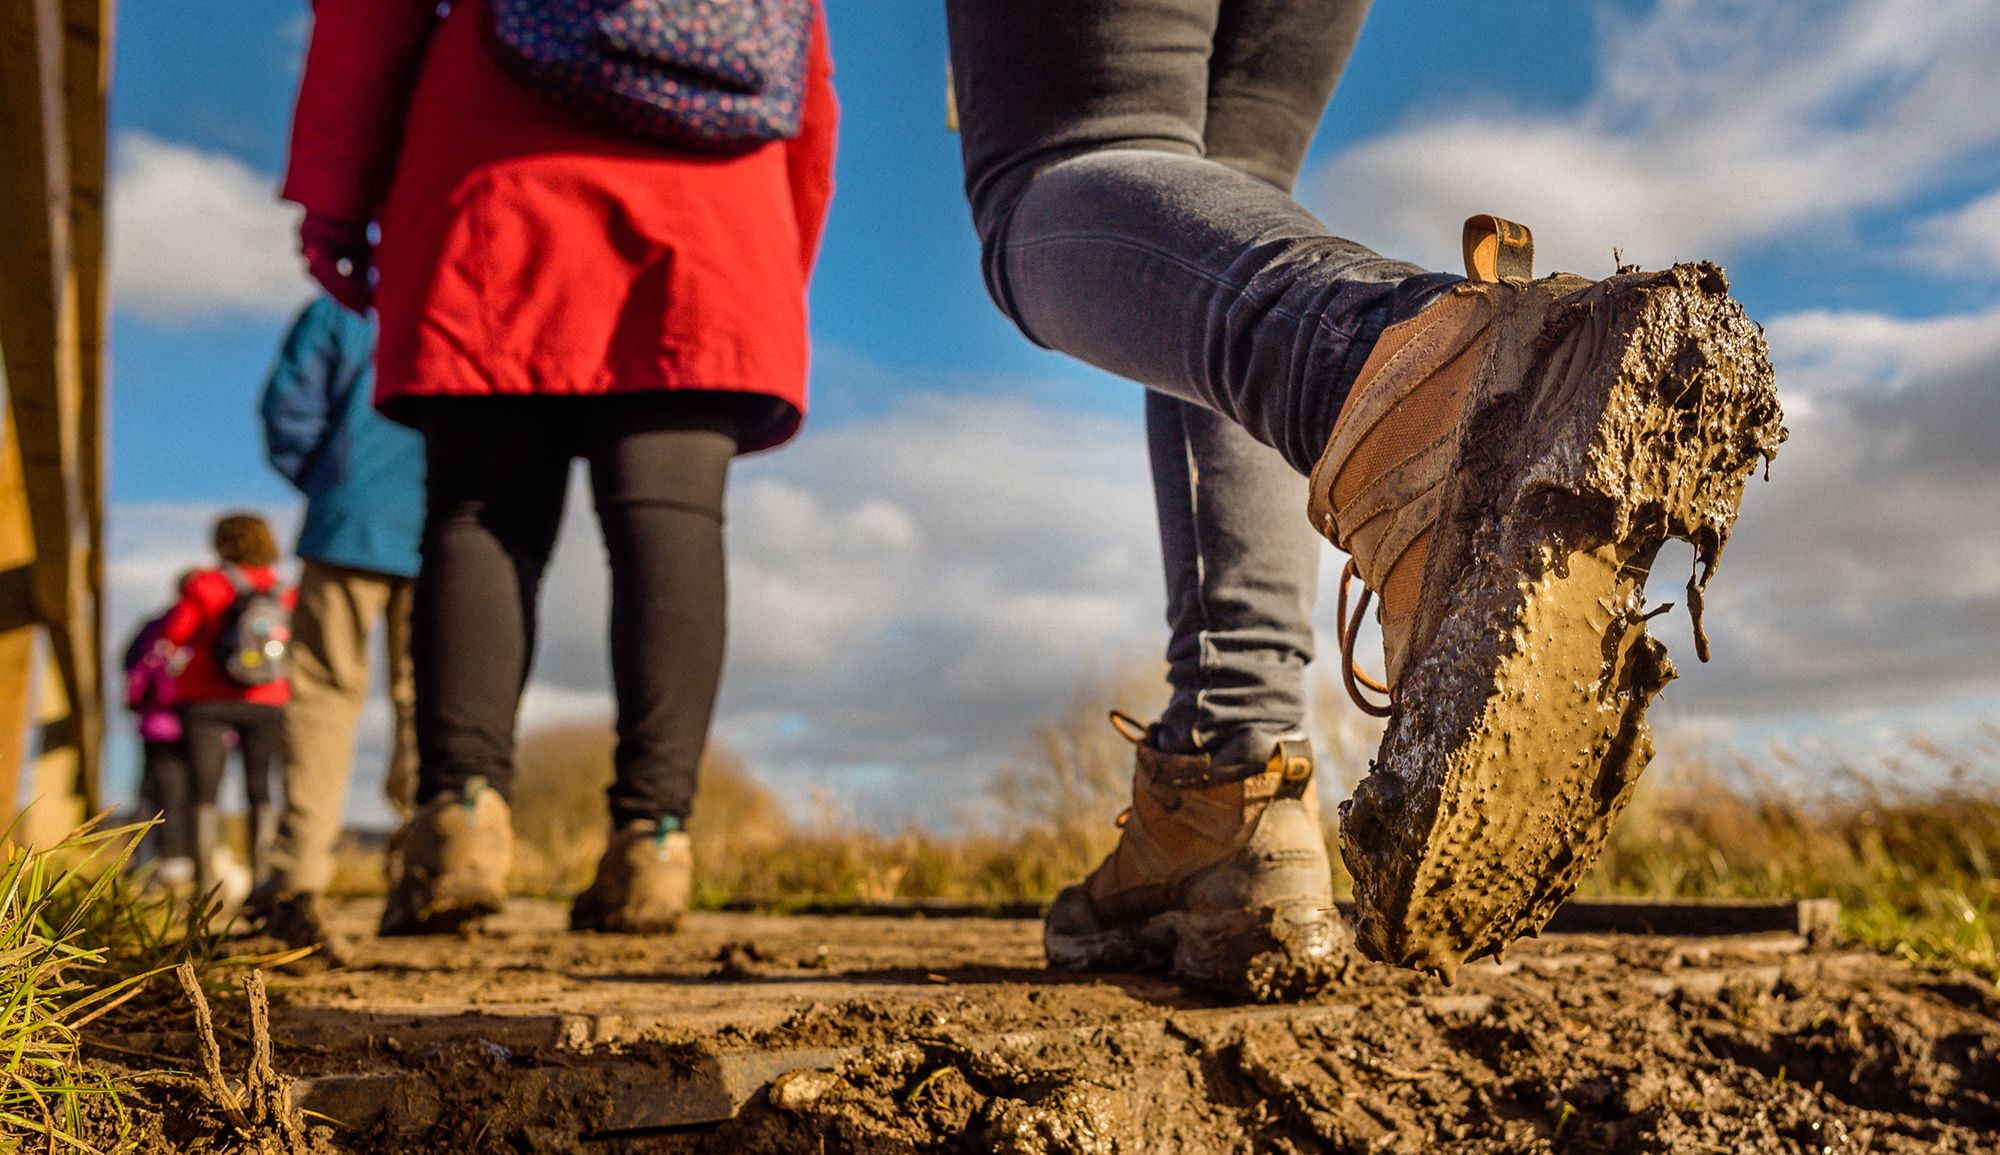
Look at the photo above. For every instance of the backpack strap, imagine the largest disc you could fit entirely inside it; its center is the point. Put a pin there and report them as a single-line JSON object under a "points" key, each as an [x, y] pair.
{"points": [[241, 582]]}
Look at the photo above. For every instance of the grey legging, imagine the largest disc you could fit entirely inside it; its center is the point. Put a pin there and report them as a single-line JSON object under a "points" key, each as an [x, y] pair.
{"points": [[498, 473]]}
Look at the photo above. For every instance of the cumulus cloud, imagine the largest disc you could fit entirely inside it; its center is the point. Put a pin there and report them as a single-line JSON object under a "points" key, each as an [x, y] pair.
{"points": [[1866, 574], [196, 233], [1965, 240], [1714, 125], [913, 594], [910, 595]]}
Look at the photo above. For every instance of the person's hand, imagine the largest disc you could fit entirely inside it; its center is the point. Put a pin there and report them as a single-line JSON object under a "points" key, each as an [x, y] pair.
{"points": [[340, 258]]}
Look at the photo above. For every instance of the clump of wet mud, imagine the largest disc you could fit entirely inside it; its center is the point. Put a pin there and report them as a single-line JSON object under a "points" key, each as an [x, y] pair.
{"points": [[1607, 419], [913, 1097], [1581, 1066]]}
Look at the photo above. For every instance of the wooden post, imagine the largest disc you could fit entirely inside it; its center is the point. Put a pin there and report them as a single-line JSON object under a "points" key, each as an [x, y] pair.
{"points": [[17, 617], [54, 69]]}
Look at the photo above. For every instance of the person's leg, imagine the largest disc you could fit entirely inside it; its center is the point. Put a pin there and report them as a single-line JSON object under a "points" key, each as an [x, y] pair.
{"points": [[260, 731], [206, 730], [205, 733], [497, 471], [400, 784], [330, 627], [1240, 569], [658, 466], [1482, 477], [167, 767], [1274, 67], [260, 744], [1108, 235]]}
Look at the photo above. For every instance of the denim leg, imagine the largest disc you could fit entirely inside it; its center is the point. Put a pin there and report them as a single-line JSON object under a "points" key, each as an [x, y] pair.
{"points": [[1109, 235], [1268, 85], [1201, 282], [1241, 568]]}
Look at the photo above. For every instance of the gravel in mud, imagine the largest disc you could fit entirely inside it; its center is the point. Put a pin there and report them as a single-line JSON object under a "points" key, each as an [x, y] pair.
{"points": [[947, 1035]]}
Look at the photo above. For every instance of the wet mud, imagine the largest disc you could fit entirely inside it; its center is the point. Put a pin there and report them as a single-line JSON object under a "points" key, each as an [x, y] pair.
{"points": [[760, 1034], [1609, 418]]}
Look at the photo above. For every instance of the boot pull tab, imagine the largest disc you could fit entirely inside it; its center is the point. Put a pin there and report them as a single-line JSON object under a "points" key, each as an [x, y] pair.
{"points": [[1293, 759], [1497, 249], [1130, 728]]}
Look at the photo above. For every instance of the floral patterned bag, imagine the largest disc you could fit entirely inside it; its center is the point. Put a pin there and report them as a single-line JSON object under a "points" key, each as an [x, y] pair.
{"points": [[708, 75]]}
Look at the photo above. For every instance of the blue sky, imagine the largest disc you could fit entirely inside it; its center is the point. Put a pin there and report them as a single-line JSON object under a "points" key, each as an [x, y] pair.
{"points": [[898, 285], [965, 526]]}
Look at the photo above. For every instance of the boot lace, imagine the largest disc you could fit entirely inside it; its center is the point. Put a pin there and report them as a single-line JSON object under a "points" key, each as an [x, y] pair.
{"points": [[1133, 731], [1351, 674]]}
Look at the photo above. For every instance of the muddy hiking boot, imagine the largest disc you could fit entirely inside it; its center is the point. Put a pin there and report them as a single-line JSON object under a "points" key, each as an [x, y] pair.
{"points": [[448, 863], [1503, 473], [1220, 875], [642, 881]]}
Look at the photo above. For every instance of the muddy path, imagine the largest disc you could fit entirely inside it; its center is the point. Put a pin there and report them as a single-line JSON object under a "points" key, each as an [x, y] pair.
{"points": [[750, 1033]]}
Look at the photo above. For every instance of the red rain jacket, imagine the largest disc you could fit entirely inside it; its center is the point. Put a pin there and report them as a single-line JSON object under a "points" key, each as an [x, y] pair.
{"points": [[525, 250], [194, 622]]}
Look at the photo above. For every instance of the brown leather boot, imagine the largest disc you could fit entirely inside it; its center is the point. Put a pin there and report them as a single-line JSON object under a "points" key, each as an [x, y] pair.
{"points": [[448, 864], [642, 883], [1503, 472], [1220, 874]]}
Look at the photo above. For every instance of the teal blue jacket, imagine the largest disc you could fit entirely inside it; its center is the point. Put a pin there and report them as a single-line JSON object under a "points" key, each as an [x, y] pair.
{"points": [[362, 475]]}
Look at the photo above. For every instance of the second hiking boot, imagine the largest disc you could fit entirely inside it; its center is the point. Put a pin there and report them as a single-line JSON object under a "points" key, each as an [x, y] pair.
{"points": [[1503, 473], [448, 864], [642, 881], [1220, 875]]}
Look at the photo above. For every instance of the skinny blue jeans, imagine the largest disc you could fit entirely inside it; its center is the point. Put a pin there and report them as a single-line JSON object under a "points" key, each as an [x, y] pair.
{"points": [[1130, 166]]}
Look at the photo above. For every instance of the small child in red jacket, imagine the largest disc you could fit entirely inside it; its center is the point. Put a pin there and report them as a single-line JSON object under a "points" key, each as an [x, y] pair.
{"points": [[219, 707]]}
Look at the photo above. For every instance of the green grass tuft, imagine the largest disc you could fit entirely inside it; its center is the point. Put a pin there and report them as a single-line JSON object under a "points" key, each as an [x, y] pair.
{"points": [[57, 973]]}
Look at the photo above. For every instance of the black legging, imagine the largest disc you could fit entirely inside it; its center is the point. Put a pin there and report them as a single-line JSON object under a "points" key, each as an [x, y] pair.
{"points": [[498, 472], [167, 789], [260, 742]]}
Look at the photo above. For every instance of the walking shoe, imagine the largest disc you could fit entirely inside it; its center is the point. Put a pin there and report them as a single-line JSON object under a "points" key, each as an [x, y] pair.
{"points": [[448, 864], [642, 881], [293, 918], [1507, 465], [175, 875], [1220, 874]]}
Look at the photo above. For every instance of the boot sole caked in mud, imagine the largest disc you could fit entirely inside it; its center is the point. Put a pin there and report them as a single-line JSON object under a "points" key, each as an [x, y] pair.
{"points": [[1275, 954], [1258, 926], [1634, 411]]}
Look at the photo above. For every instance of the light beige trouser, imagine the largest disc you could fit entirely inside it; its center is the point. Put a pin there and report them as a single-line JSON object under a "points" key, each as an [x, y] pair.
{"points": [[337, 610]]}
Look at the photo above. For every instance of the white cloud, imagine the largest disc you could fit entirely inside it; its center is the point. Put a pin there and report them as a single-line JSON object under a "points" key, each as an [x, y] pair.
{"points": [[913, 594], [1866, 574], [910, 595], [1964, 240], [195, 233], [1715, 125]]}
